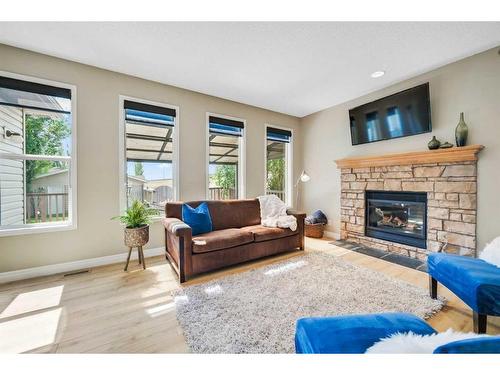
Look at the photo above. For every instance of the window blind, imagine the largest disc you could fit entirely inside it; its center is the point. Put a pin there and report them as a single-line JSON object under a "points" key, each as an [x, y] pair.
{"points": [[148, 114], [221, 125], [35, 88], [279, 135], [149, 108]]}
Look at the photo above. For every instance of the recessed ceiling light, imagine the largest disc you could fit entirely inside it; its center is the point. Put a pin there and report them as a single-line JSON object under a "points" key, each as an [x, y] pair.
{"points": [[377, 74]]}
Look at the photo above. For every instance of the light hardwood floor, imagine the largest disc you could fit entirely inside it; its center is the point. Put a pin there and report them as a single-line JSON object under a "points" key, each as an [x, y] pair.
{"points": [[110, 311]]}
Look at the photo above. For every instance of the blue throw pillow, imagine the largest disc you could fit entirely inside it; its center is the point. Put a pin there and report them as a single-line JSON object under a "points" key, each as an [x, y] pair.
{"points": [[197, 218]]}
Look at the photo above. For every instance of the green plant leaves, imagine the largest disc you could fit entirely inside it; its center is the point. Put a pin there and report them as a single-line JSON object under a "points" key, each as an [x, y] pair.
{"points": [[137, 215]]}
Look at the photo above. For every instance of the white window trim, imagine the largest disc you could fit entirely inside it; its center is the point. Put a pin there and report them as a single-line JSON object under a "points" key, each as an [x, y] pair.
{"points": [[122, 157], [71, 224], [289, 164], [242, 170]]}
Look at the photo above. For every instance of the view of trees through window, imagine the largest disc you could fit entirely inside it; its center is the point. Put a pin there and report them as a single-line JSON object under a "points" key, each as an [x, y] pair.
{"points": [[47, 181], [276, 174], [225, 178], [44, 135], [276, 169], [224, 164]]}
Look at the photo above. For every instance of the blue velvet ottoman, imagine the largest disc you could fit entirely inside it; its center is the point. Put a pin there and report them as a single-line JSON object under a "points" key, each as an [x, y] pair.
{"points": [[473, 280], [354, 334]]}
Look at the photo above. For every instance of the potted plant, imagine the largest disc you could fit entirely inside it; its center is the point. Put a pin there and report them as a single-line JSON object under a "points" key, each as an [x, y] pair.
{"points": [[137, 219]]}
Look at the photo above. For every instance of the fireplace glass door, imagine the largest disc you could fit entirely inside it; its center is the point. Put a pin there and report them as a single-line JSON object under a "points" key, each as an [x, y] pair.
{"points": [[397, 216]]}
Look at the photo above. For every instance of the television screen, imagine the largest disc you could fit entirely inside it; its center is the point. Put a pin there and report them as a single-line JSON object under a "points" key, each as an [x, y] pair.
{"points": [[399, 115]]}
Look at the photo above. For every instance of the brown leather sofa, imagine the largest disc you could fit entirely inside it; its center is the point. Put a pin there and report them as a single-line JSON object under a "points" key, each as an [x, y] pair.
{"points": [[237, 237]]}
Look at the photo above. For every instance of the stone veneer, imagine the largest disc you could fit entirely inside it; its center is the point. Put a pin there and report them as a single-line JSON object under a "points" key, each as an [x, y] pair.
{"points": [[451, 204]]}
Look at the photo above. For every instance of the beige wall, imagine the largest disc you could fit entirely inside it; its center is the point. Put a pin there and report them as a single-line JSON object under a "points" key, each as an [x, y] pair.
{"points": [[471, 85], [97, 111]]}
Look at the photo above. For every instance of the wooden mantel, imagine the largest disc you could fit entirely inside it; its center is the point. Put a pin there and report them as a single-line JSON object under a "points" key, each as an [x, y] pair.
{"points": [[442, 155]]}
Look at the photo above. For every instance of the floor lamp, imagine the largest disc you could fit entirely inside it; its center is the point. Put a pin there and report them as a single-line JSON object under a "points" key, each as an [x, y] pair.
{"points": [[304, 177]]}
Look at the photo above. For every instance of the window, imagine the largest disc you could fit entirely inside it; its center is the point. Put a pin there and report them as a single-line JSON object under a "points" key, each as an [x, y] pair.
{"points": [[37, 155], [279, 163], [149, 167], [225, 158]]}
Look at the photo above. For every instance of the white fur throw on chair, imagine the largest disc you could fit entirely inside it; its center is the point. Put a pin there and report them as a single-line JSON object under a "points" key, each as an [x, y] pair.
{"points": [[409, 342], [491, 253]]}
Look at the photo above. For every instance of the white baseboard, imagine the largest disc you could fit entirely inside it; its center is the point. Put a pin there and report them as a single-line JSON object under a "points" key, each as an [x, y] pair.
{"points": [[334, 235], [53, 269]]}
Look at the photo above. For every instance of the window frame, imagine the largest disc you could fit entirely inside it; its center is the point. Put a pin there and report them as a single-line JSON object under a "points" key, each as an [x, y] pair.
{"points": [[122, 151], [72, 222], [289, 188], [241, 155]]}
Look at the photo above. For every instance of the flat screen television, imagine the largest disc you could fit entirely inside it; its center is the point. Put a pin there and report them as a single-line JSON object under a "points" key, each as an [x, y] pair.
{"points": [[400, 115]]}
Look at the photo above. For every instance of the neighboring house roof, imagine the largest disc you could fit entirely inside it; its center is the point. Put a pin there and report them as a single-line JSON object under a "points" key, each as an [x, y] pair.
{"points": [[137, 178], [52, 172]]}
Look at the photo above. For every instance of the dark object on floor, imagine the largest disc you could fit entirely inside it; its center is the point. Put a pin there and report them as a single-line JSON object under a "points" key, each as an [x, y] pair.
{"points": [[314, 230], [236, 237], [318, 217], [473, 280], [402, 260], [356, 333]]}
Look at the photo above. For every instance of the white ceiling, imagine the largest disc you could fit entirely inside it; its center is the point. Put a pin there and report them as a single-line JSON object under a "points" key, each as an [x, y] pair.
{"points": [[295, 68]]}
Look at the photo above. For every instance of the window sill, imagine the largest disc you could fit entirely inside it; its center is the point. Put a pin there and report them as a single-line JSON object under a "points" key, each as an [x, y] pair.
{"points": [[36, 229]]}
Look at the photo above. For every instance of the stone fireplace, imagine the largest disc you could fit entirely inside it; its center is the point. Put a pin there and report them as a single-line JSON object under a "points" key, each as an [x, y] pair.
{"points": [[411, 203]]}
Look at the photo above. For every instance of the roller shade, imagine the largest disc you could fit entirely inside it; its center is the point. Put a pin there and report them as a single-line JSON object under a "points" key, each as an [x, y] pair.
{"points": [[30, 95], [278, 135], [148, 115], [141, 107], [221, 125], [35, 88]]}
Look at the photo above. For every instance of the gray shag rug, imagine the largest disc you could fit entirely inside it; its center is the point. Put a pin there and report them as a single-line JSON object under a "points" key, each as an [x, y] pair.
{"points": [[256, 311]]}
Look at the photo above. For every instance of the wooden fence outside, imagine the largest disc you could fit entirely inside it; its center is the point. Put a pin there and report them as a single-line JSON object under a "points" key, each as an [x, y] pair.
{"points": [[43, 207]]}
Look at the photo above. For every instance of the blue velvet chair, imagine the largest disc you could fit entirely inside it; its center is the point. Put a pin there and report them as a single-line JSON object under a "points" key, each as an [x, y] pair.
{"points": [[474, 281], [354, 334]]}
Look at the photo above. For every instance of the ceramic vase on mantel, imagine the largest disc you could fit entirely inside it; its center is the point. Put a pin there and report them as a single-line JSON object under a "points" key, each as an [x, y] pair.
{"points": [[461, 132], [433, 144]]}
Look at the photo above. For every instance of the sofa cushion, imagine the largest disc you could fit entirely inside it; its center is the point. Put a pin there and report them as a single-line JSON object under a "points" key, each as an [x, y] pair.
{"points": [[262, 233], [197, 218], [220, 239]]}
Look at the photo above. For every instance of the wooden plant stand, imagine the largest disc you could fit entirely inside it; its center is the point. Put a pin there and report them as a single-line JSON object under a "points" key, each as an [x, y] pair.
{"points": [[140, 254]]}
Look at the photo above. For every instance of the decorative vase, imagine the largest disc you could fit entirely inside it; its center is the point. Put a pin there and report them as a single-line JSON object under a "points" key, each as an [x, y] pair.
{"points": [[446, 145], [461, 132], [136, 237], [433, 144]]}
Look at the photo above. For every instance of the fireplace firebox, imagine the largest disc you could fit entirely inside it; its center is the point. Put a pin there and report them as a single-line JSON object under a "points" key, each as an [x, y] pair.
{"points": [[397, 217]]}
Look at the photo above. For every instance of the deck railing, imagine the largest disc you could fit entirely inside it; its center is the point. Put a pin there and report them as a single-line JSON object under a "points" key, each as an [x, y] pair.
{"points": [[218, 193], [43, 207], [279, 193]]}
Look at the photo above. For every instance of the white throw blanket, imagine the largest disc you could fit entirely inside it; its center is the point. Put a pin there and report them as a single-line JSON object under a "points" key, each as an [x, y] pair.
{"points": [[410, 343], [273, 213]]}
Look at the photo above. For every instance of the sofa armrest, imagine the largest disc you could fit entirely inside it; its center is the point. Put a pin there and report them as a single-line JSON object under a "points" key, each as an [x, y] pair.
{"points": [[176, 227], [178, 245], [299, 215]]}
